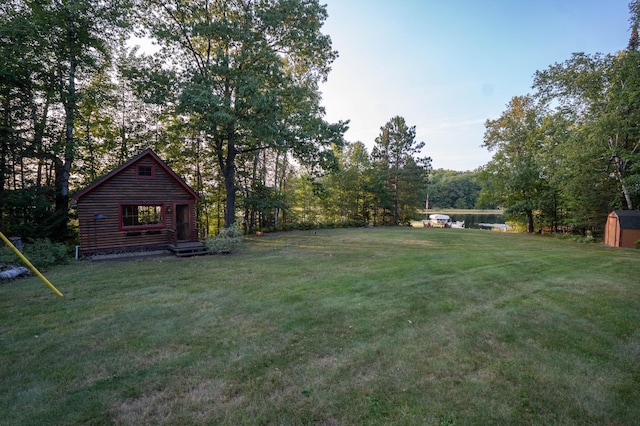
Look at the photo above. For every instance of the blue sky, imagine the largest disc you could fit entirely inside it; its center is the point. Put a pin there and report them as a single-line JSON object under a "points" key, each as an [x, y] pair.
{"points": [[447, 66]]}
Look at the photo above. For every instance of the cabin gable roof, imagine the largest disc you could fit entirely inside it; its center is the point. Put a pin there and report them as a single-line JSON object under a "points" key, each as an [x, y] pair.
{"points": [[628, 219], [144, 154]]}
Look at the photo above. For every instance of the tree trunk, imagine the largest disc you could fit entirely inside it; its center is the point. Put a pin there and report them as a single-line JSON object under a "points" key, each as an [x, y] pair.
{"points": [[230, 189], [69, 100], [396, 197], [530, 228], [275, 187], [229, 173], [619, 173], [5, 148], [627, 197]]}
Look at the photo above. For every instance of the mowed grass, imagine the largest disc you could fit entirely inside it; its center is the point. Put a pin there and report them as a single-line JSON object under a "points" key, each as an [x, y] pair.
{"points": [[357, 326]]}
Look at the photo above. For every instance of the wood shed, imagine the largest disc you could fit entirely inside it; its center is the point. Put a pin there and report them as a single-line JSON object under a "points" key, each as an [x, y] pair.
{"points": [[141, 205], [622, 228]]}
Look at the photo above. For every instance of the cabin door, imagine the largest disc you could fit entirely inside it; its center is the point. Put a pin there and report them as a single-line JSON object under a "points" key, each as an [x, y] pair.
{"points": [[183, 222]]}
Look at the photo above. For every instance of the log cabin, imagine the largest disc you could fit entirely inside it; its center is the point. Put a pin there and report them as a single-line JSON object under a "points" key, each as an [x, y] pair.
{"points": [[142, 205]]}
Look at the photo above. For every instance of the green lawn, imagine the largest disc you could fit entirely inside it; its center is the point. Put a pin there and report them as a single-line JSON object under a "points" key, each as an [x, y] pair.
{"points": [[357, 326]]}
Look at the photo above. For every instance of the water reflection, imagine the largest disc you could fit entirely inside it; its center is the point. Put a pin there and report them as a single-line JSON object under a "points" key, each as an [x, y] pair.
{"points": [[472, 220]]}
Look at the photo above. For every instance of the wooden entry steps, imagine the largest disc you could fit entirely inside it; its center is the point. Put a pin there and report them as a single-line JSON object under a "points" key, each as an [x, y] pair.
{"points": [[189, 249]]}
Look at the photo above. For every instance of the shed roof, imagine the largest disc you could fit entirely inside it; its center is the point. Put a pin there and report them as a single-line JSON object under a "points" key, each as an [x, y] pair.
{"points": [[628, 219], [147, 152]]}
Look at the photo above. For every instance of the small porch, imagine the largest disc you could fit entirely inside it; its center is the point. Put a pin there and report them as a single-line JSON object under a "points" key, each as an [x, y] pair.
{"points": [[188, 248]]}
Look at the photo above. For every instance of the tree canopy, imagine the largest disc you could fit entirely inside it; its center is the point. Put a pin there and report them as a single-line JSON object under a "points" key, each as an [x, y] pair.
{"points": [[234, 83], [249, 74], [569, 153], [230, 97], [405, 175]]}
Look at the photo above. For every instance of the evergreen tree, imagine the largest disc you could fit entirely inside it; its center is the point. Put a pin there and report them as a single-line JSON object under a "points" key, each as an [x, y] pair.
{"points": [[394, 156]]}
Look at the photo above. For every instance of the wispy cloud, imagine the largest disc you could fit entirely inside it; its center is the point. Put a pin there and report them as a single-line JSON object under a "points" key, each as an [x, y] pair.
{"points": [[451, 127], [457, 124]]}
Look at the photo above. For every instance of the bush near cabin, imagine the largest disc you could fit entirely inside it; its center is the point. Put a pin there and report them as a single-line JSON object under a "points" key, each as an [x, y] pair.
{"points": [[226, 240]]}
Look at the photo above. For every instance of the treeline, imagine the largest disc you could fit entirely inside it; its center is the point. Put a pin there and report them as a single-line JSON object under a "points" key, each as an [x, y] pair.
{"points": [[569, 153], [228, 95], [384, 187], [450, 189]]}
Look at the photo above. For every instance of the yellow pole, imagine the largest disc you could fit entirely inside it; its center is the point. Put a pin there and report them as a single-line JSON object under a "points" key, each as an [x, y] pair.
{"points": [[26, 261]]}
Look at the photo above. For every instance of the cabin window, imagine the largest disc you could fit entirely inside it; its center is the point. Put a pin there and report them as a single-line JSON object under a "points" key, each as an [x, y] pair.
{"points": [[142, 216], [145, 172]]}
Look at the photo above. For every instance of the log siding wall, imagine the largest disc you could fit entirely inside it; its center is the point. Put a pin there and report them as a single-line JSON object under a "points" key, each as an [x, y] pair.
{"points": [[99, 210]]}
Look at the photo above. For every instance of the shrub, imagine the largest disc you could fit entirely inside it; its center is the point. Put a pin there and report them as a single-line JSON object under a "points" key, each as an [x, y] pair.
{"points": [[42, 253], [306, 226], [578, 238], [226, 240]]}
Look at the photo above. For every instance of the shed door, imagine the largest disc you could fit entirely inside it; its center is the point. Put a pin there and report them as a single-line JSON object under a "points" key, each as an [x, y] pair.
{"points": [[183, 222], [612, 231]]}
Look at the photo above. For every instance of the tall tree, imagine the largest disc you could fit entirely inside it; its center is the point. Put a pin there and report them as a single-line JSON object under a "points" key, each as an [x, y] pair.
{"points": [[599, 94], [251, 71], [514, 173], [634, 20], [395, 153], [348, 198], [80, 32], [357, 165], [28, 95], [61, 43]]}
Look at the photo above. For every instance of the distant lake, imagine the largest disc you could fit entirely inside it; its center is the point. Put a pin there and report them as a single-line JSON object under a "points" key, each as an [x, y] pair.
{"points": [[471, 220]]}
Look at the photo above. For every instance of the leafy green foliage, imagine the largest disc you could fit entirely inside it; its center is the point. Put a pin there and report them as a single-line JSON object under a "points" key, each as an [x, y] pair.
{"points": [[49, 50], [305, 226], [249, 79], [405, 175], [231, 99], [30, 212], [595, 99], [570, 153], [227, 240], [42, 253], [516, 171], [449, 189]]}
